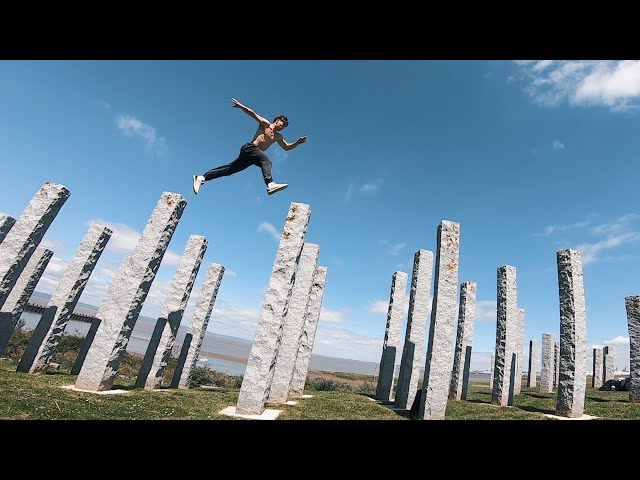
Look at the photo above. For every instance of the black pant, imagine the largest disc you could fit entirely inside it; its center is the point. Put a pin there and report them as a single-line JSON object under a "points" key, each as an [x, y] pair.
{"points": [[249, 155]]}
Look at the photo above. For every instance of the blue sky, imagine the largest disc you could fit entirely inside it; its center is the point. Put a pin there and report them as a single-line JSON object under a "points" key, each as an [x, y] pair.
{"points": [[529, 157]]}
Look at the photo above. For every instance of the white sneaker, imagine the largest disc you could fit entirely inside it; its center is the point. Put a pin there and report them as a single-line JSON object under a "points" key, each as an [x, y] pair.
{"points": [[198, 181], [274, 187]]}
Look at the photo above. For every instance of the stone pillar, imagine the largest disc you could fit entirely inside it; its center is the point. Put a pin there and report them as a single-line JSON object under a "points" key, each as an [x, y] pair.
{"points": [[85, 346], [391, 344], [556, 371], [517, 387], [293, 323], [27, 232], [440, 349], [596, 378], [19, 297], [260, 365], [199, 323], [572, 377], [465, 372], [532, 378], [492, 366], [506, 334], [308, 333], [609, 363], [6, 222], [632, 305], [58, 312], [464, 338], [419, 303], [159, 350], [126, 295], [548, 363]]}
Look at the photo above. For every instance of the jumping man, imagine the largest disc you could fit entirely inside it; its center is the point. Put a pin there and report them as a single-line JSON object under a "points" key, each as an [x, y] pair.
{"points": [[253, 153]]}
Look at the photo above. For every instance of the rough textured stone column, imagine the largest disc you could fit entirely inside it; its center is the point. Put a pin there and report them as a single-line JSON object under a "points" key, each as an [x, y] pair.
{"points": [[391, 342], [572, 378], [159, 350], [596, 378], [200, 320], [260, 365], [608, 363], [440, 349], [465, 372], [293, 323], [419, 303], [466, 316], [517, 387], [19, 297], [64, 299], [126, 295], [492, 366], [532, 378], [548, 363], [506, 334], [632, 305], [556, 372], [27, 232], [309, 329], [6, 222]]}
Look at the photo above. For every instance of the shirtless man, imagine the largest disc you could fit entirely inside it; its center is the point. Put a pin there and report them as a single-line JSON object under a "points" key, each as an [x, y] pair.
{"points": [[253, 153]]}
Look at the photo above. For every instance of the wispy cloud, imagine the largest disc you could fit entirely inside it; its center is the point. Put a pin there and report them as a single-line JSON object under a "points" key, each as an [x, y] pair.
{"points": [[104, 104], [392, 248], [378, 307], [590, 251], [270, 229], [550, 229], [123, 239], [486, 311], [612, 83], [367, 187], [56, 246], [344, 343], [558, 145], [333, 316], [131, 126], [619, 340]]}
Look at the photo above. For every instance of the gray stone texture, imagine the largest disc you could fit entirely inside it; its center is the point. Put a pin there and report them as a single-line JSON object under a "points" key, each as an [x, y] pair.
{"points": [[548, 363], [125, 297], [517, 386], [66, 295], [492, 366], [464, 338], [27, 232], [598, 358], [19, 296], [632, 305], [293, 323], [413, 350], [391, 344], [158, 352], [309, 329], [200, 320], [572, 377], [441, 344], [465, 372], [532, 376], [556, 363], [608, 363], [264, 350], [506, 334], [6, 222]]}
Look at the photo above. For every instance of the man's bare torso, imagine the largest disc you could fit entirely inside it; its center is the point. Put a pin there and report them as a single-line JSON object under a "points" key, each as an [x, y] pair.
{"points": [[264, 137]]}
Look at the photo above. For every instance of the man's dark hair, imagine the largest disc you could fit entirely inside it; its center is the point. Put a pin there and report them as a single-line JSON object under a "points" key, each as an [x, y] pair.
{"points": [[283, 118]]}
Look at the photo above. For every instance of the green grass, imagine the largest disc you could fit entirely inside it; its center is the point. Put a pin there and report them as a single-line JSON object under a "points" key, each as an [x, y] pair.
{"points": [[40, 397]]}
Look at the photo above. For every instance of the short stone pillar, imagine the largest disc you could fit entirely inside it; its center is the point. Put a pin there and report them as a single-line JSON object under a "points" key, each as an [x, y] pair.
{"points": [[199, 323], [596, 378], [441, 346], [158, 351], [413, 349], [308, 333], [391, 344], [19, 297], [27, 232], [632, 305], [506, 334], [260, 365], [293, 324], [532, 378], [125, 297], [609, 363], [572, 378], [65, 297], [548, 363], [464, 338]]}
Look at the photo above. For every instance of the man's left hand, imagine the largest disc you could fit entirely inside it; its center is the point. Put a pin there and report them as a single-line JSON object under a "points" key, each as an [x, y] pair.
{"points": [[302, 139]]}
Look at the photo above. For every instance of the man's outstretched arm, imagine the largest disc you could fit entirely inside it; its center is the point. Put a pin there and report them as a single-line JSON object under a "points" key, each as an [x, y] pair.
{"points": [[289, 146], [249, 112]]}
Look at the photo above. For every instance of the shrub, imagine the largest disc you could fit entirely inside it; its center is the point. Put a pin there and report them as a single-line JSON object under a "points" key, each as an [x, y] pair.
{"points": [[366, 388], [328, 385], [199, 376]]}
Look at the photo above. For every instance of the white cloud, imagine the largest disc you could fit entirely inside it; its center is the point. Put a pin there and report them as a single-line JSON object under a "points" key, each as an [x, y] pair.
{"points": [[612, 83], [104, 104], [123, 239], [171, 258], [344, 343], [558, 145], [369, 187], [230, 274], [131, 126], [332, 316], [589, 251], [619, 340], [550, 229], [378, 307], [56, 246], [270, 229], [393, 249], [486, 311]]}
